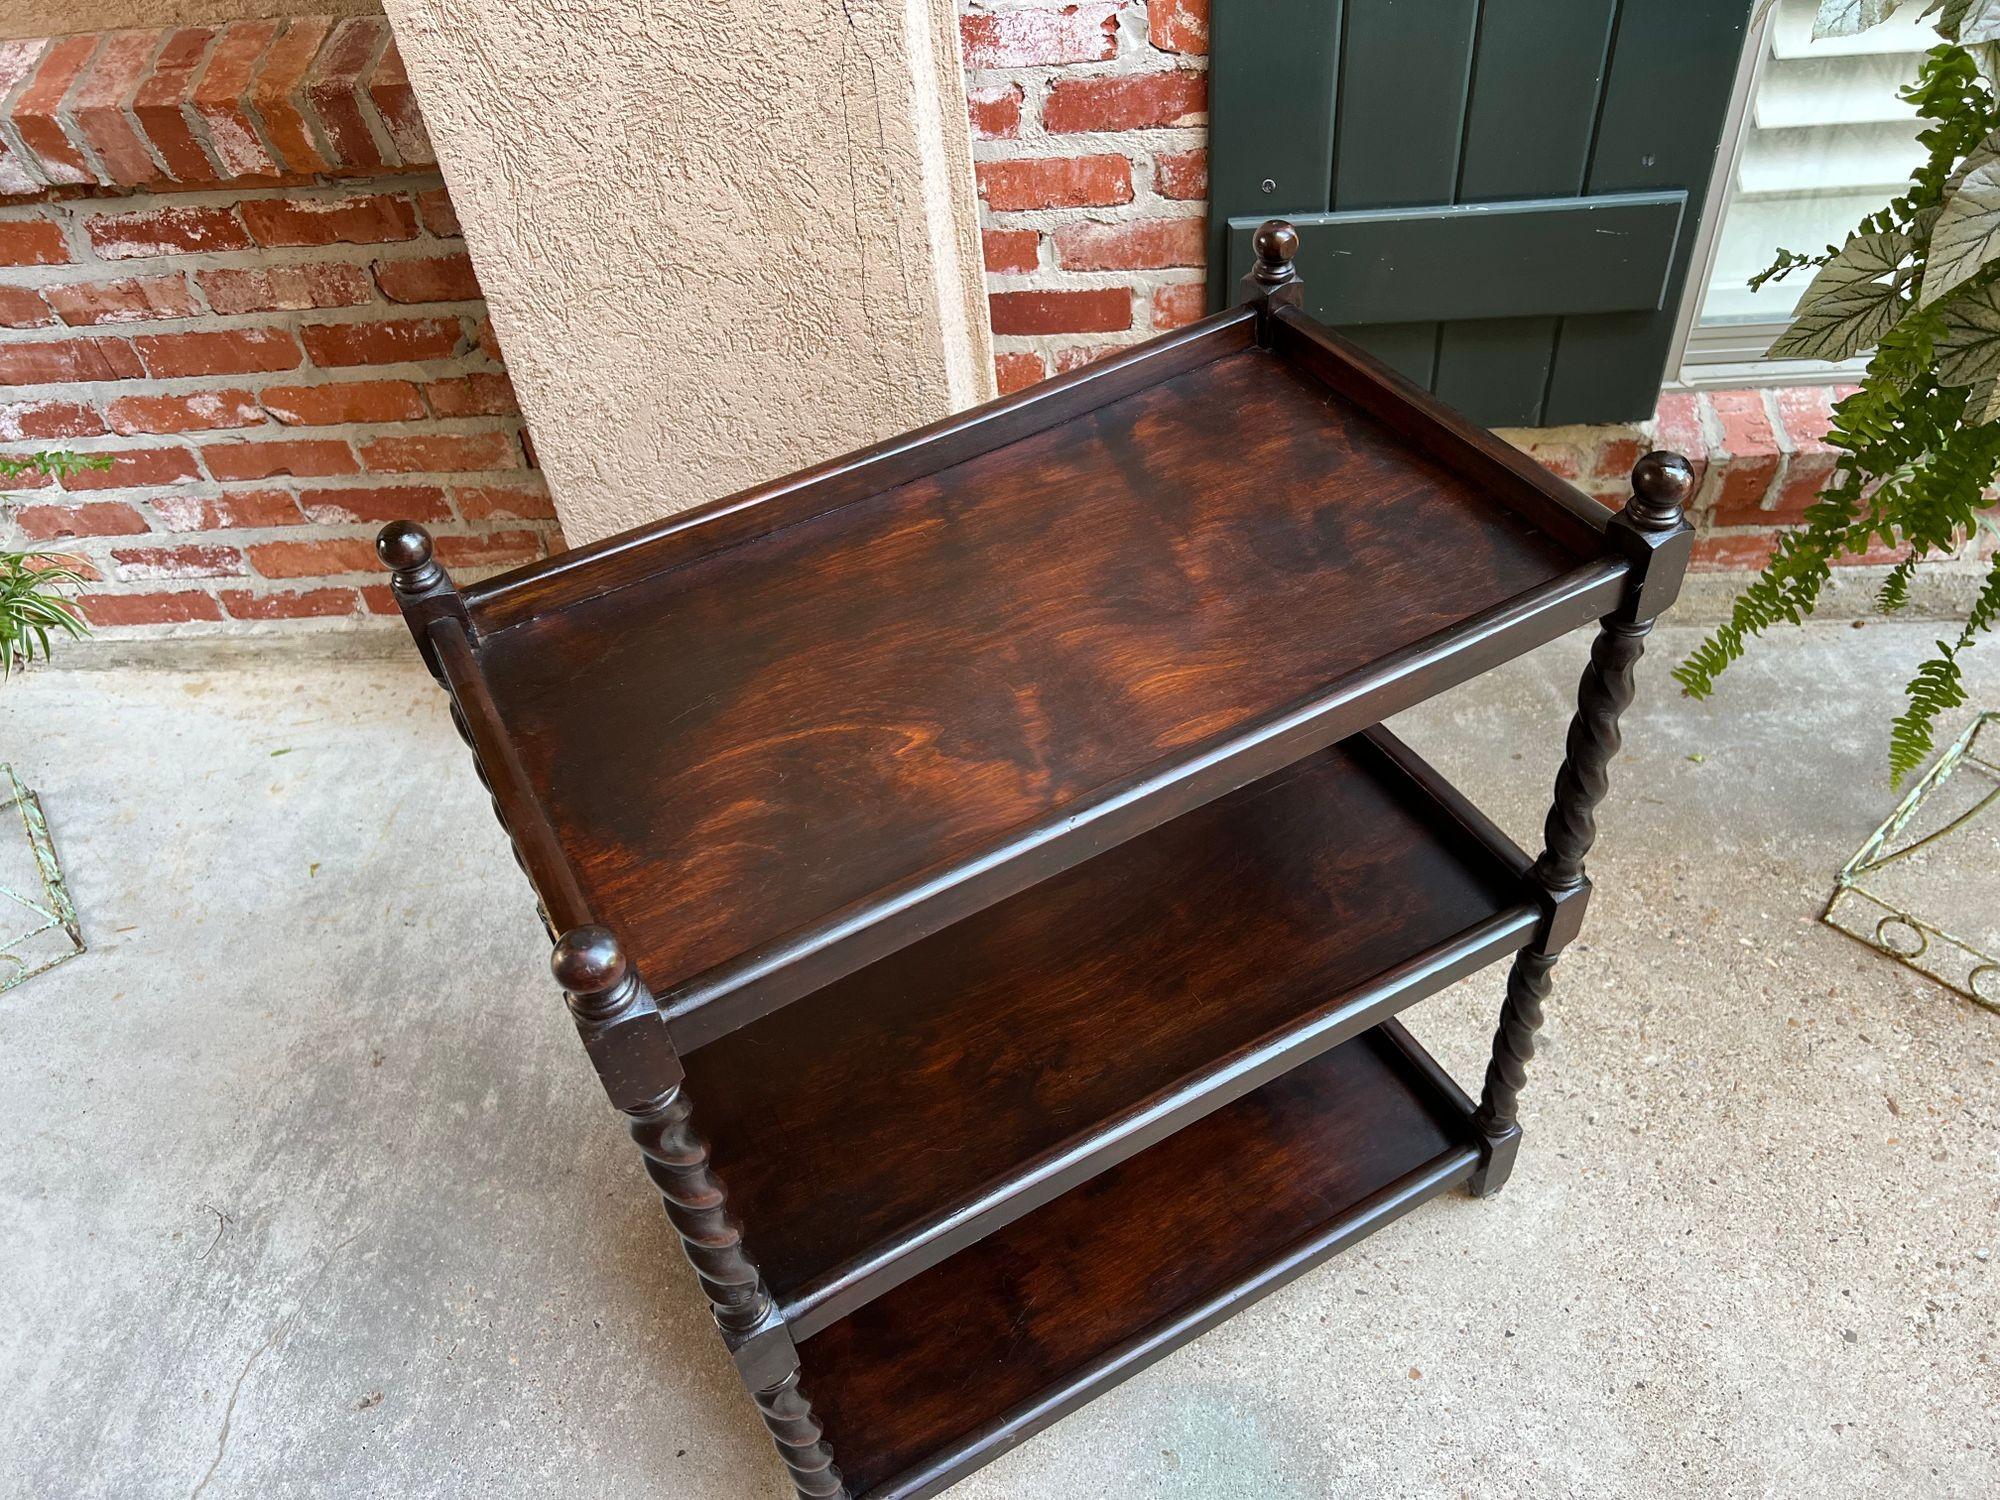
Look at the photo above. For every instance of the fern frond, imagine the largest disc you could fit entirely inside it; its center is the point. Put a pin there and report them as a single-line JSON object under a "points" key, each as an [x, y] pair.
{"points": [[1937, 688], [1939, 685], [1895, 591]]}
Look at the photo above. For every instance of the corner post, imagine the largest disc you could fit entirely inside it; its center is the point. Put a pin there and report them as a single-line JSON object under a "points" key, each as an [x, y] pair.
{"points": [[1653, 533], [423, 589], [1272, 282], [626, 1037]]}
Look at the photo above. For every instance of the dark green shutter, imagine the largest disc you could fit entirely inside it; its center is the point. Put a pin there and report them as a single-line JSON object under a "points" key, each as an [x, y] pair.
{"points": [[1498, 197]]}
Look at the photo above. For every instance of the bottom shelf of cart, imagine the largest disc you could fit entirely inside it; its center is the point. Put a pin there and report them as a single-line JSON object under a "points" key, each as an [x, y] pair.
{"points": [[964, 1361]]}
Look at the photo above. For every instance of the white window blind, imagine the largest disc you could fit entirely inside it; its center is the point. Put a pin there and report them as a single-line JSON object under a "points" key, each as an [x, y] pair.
{"points": [[1825, 142]]}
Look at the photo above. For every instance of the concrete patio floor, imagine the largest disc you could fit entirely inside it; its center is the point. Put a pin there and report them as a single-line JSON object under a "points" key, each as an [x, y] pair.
{"points": [[306, 1189]]}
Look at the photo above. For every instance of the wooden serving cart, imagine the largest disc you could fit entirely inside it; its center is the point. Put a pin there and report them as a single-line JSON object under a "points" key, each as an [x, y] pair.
{"points": [[992, 832]]}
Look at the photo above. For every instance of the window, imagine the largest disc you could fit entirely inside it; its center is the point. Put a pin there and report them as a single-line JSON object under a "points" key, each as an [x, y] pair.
{"points": [[1820, 141]]}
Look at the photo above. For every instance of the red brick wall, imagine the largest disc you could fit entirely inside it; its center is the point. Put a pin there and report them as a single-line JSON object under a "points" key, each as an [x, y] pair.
{"points": [[1761, 455], [1089, 124], [226, 262]]}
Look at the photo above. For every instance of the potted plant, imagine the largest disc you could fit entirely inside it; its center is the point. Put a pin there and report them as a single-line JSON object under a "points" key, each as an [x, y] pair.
{"points": [[1917, 282]]}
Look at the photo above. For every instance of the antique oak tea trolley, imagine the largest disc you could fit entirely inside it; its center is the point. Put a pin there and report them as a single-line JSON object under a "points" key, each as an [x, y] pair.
{"points": [[979, 878]]}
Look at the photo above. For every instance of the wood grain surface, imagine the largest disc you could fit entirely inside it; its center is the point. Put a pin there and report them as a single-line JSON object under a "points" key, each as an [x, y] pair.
{"points": [[738, 747], [869, 1112], [975, 1339]]}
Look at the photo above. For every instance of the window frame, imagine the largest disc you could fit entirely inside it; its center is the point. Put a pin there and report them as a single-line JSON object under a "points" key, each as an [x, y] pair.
{"points": [[1733, 354]]}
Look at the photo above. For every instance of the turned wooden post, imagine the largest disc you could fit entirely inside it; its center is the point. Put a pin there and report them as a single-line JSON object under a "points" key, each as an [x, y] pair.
{"points": [[422, 588], [1652, 531], [626, 1037], [425, 593], [1273, 279]]}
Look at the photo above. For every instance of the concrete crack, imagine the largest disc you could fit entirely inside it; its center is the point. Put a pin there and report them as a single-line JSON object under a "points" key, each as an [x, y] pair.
{"points": [[271, 1342], [229, 1410]]}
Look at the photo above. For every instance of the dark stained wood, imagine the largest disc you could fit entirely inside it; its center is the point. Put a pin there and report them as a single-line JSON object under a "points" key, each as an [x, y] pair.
{"points": [[980, 1350], [1068, 672], [538, 848], [422, 589], [1064, 1028], [585, 572], [1661, 486], [622, 1031], [756, 744], [1273, 279], [1498, 468], [1454, 803], [807, 959]]}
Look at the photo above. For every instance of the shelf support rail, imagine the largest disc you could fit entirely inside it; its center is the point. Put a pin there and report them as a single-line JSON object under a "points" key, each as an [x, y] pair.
{"points": [[1653, 535], [626, 1038]]}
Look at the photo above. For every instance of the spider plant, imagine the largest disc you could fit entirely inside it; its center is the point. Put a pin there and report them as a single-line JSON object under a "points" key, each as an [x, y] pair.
{"points": [[32, 610]]}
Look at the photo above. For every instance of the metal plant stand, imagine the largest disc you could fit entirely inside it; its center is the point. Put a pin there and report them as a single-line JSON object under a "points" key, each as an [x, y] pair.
{"points": [[1947, 829], [33, 884]]}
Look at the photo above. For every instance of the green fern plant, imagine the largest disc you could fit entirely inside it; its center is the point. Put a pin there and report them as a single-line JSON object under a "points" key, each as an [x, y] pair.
{"points": [[1918, 283], [33, 609]]}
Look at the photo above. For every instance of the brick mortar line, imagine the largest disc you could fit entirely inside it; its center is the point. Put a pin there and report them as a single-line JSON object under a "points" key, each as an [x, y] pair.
{"points": [[972, 7], [218, 489], [1146, 61], [143, 498], [212, 437], [220, 194], [1036, 343], [448, 367], [243, 539], [304, 529], [111, 586], [256, 583], [98, 550], [290, 320], [232, 628], [257, 258], [1140, 142], [457, 365], [200, 488], [1150, 208]]}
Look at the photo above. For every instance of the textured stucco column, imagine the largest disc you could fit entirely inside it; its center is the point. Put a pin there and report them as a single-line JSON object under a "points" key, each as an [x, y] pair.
{"points": [[719, 241]]}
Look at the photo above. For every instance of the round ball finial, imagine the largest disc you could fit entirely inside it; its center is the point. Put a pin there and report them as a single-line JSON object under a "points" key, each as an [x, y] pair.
{"points": [[1662, 485], [1276, 244], [588, 960], [404, 546]]}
